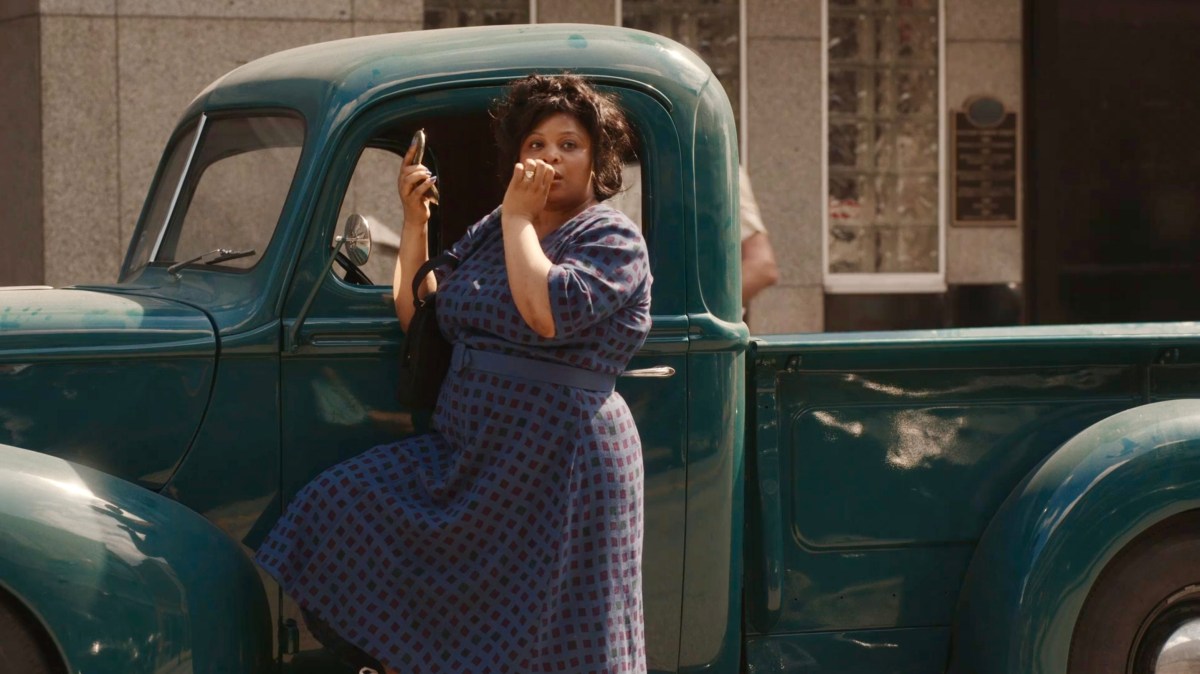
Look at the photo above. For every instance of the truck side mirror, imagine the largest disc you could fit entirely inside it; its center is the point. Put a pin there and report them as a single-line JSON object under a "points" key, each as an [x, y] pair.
{"points": [[356, 236], [356, 239]]}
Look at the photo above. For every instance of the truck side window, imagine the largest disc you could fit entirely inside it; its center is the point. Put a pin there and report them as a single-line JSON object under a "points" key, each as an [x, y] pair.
{"points": [[629, 199], [461, 152], [372, 194]]}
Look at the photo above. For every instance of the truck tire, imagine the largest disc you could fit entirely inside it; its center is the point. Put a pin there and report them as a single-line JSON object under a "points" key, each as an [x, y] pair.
{"points": [[24, 646], [1148, 593]]}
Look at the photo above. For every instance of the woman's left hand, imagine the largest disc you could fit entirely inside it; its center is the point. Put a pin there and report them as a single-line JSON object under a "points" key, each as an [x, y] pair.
{"points": [[527, 190]]}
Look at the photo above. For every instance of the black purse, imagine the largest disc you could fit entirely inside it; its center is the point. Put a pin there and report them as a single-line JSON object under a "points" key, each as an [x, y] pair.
{"points": [[425, 357]]}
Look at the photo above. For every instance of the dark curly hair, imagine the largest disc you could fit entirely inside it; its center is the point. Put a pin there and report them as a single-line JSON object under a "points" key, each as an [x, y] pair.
{"points": [[532, 98]]}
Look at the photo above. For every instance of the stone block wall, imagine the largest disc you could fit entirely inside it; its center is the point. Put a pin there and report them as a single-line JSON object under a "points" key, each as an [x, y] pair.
{"points": [[100, 84], [983, 56], [22, 253], [95, 87], [783, 156]]}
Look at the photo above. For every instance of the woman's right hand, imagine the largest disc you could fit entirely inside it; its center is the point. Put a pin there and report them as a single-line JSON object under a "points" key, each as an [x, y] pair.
{"points": [[413, 184]]}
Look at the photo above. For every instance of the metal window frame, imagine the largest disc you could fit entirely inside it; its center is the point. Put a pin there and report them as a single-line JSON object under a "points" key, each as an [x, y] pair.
{"points": [[183, 176], [743, 87], [888, 282]]}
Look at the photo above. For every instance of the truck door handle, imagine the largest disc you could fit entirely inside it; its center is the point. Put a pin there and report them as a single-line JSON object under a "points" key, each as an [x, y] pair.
{"points": [[326, 339], [660, 372]]}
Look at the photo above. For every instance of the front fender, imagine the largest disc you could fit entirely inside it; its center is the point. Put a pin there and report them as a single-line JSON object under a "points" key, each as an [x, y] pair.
{"points": [[1054, 534], [124, 580]]}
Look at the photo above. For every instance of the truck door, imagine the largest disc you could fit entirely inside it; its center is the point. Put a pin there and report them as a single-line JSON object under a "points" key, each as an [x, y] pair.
{"points": [[339, 376]]}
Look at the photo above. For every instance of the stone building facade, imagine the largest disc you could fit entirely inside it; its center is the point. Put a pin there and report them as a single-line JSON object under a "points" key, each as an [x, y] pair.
{"points": [[843, 107]]}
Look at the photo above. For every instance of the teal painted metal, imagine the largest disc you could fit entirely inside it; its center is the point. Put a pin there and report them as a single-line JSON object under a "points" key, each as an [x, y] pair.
{"points": [[1050, 541], [263, 422], [332, 84], [714, 265], [127, 582], [878, 460], [82, 371], [46, 325], [765, 530], [231, 473], [898, 651], [353, 328], [712, 597]]}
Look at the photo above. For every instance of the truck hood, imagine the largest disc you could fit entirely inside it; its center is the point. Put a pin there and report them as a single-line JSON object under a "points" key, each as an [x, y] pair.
{"points": [[114, 382], [47, 320]]}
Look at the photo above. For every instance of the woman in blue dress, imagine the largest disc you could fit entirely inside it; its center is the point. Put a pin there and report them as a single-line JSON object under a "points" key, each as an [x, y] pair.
{"points": [[509, 539]]}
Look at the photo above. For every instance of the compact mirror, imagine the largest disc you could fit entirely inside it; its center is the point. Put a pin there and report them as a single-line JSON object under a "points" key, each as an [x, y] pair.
{"points": [[357, 238]]}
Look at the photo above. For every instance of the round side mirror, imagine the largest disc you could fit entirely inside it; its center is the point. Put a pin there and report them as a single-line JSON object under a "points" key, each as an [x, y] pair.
{"points": [[357, 238]]}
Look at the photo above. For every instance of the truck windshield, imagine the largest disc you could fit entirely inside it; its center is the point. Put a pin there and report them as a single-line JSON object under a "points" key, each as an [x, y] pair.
{"points": [[225, 191]]}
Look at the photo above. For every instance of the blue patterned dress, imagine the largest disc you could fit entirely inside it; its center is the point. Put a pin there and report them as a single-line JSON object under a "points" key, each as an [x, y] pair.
{"points": [[510, 538]]}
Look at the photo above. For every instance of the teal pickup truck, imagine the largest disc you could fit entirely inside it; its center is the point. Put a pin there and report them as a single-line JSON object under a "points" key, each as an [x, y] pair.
{"points": [[1022, 500]]}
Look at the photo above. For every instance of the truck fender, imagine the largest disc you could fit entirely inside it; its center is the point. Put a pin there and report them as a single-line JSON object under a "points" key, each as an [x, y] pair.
{"points": [[1054, 534], [123, 580]]}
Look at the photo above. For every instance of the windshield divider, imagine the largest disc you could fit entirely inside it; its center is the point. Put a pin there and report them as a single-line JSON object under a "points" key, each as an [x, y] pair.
{"points": [[187, 167]]}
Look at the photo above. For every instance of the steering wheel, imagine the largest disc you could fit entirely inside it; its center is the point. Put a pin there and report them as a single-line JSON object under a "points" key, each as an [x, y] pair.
{"points": [[353, 274]]}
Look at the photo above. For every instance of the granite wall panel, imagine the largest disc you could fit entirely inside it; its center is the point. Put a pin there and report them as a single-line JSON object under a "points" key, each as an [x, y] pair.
{"points": [[406, 11], [362, 28], [788, 309], [18, 9], [320, 10], [983, 20], [22, 255], [602, 12], [783, 18], [984, 254], [164, 63], [106, 8], [784, 156], [79, 150]]}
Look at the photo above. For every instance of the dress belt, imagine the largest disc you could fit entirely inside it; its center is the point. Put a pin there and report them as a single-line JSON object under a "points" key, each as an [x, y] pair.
{"points": [[530, 368]]}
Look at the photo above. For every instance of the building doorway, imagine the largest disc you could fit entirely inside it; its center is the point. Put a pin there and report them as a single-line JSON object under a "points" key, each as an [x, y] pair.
{"points": [[1113, 160]]}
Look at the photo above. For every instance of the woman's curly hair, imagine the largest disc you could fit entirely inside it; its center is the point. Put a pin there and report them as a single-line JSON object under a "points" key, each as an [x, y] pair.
{"points": [[532, 98]]}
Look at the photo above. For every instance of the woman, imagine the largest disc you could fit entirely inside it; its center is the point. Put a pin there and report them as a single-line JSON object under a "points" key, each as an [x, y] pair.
{"points": [[508, 539]]}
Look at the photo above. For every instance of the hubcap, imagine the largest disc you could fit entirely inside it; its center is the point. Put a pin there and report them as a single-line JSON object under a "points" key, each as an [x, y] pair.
{"points": [[1169, 641]]}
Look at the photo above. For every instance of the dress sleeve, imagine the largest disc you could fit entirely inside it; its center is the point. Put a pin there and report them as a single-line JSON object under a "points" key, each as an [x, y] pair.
{"points": [[605, 268]]}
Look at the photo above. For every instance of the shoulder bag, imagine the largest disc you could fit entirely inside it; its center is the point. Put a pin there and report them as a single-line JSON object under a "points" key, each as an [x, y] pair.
{"points": [[425, 357]]}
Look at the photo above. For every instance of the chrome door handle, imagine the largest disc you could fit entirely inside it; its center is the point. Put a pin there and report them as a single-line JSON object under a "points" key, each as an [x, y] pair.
{"points": [[661, 372]]}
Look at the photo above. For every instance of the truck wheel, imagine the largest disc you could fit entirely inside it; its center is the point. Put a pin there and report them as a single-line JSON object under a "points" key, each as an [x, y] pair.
{"points": [[1143, 613], [23, 645]]}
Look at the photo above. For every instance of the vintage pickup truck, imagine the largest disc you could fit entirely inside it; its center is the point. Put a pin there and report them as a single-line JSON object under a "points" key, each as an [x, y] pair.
{"points": [[978, 501]]}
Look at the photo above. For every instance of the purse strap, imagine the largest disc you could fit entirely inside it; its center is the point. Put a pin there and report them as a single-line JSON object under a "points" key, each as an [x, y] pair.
{"points": [[445, 259]]}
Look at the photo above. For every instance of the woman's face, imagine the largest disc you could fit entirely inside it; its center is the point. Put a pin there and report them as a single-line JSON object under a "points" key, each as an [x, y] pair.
{"points": [[563, 142]]}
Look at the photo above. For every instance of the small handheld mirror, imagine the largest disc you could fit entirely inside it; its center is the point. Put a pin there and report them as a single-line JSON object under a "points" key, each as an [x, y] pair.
{"points": [[418, 140]]}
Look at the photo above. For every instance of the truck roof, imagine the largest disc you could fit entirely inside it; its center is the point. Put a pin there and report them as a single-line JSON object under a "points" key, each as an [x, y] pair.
{"points": [[333, 78]]}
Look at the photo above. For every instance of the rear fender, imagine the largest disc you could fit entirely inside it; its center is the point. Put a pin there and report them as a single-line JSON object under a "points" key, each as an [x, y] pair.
{"points": [[1054, 534], [124, 580]]}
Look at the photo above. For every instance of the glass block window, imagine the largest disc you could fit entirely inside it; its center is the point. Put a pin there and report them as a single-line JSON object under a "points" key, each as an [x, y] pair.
{"points": [[711, 28], [883, 103], [456, 13]]}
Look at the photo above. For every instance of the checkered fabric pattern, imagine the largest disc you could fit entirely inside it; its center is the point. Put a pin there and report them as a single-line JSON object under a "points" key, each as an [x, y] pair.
{"points": [[510, 538]]}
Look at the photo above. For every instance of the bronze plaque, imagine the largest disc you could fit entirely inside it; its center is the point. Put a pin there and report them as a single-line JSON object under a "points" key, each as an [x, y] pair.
{"points": [[985, 159]]}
